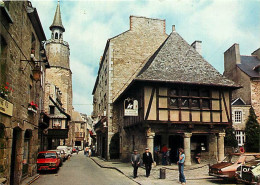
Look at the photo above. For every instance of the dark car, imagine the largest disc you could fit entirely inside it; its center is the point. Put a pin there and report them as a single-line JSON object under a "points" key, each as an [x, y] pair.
{"points": [[48, 160], [228, 167], [249, 172]]}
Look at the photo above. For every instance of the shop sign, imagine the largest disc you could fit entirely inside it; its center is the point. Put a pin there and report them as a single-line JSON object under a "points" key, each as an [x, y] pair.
{"points": [[6, 107], [131, 107]]}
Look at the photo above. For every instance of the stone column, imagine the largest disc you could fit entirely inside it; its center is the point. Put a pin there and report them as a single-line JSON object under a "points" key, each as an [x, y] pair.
{"points": [[221, 152], [187, 152], [150, 140], [213, 147]]}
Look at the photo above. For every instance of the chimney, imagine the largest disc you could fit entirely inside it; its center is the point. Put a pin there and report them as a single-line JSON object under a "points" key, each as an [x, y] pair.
{"points": [[197, 46], [257, 53], [173, 28], [231, 59]]}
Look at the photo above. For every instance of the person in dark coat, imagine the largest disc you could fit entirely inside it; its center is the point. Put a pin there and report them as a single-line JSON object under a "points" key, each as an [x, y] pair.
{"points": [[147, 160], [135, 160]]}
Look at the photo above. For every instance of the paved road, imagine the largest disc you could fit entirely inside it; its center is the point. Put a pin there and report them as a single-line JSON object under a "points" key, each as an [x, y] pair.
{"points": [[80, 170]]}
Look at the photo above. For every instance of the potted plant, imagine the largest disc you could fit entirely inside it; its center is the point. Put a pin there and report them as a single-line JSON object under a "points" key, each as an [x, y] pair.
{"points": [[5, 90], [32, 107]]}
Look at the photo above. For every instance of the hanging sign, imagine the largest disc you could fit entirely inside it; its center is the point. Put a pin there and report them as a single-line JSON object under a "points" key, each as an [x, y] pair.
{"points": [[6, 107], [131, 107]]}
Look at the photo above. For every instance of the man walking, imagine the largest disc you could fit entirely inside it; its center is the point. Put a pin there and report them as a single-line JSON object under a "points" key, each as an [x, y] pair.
{"points": [[148, 160], [135, 160]]}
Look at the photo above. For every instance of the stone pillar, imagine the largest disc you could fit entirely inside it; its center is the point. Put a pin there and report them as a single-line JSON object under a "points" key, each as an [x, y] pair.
{"points": [[150, 140], [187, 152], [221, 152], [213, 147]]}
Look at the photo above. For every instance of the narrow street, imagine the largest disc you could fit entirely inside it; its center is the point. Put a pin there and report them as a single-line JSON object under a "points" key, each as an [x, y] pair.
{"points": [[80, 170]]}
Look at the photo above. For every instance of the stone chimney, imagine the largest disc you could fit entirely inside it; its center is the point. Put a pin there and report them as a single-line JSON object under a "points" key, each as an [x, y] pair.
{"points": [[231, 59], [197, 46], [257, 53], [173, 28]]}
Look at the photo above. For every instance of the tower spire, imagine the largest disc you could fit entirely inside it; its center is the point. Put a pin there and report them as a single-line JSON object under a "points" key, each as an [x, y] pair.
{"points": [[57, 22]]}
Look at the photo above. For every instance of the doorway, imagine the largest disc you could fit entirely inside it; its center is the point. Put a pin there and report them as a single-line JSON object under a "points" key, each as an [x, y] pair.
{"points": [[16, 143], [175, 142]]}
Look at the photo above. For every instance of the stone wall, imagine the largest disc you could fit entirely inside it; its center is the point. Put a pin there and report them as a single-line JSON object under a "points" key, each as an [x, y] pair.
{"points": [[245, 114], [255, 94]]}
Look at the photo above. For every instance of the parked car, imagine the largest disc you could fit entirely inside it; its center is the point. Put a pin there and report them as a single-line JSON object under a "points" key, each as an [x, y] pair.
{"points": [[59, 155], [227, 168], [249, 172], [65, 148], [48, 160], [74, 150]]}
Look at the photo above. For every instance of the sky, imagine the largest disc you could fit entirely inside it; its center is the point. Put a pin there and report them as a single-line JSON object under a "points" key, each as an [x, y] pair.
{"points": [[90, 23]]}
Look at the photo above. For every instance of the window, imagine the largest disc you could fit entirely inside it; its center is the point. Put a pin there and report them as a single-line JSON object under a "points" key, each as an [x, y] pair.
{"points": [[184, 102], [174, 102], [195, 103], [194, 93], [184, 92], [52, 110], [240, 136], [56, 35], [238, 116], [173, 92], [206, 104], [205, 93]]}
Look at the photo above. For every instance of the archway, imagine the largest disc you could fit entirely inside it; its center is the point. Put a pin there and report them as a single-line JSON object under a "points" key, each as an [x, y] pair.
{"points": [[16, 149]]}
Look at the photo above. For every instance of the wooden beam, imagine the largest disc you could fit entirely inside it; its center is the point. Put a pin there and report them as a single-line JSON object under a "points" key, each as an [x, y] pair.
{"points": [[225, 105], [157, 103], [220, 106], [150, 104]]}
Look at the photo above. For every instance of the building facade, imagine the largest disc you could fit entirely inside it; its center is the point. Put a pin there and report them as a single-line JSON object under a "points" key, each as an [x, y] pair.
{"points": [[59, 75], [240, 113], [176, 99], [22, 68], [245, 71], [128, 48]]}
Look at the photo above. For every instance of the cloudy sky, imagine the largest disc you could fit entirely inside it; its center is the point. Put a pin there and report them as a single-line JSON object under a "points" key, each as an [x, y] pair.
{"points": [[217, 23]]}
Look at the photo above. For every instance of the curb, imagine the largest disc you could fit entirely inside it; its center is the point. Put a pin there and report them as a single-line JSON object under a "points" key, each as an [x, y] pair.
{"points": [[33, 179], [114, 168]]}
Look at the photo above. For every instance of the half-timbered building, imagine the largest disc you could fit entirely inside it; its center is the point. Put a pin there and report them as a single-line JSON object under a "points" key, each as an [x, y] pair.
{"points": [[177, 99]]}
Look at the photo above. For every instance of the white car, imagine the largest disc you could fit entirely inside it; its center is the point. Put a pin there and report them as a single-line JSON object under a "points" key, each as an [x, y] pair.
{"points": [[65, 148]]}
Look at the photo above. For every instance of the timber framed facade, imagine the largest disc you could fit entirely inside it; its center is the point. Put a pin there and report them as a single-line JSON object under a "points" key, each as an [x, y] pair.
{"points": [[182, 102]]}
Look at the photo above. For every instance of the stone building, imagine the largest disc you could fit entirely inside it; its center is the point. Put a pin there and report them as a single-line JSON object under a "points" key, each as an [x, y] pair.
{"points": [[79, 127], [176, 99], [22, 68], [245, 71], [129, 48], [59, 73]]}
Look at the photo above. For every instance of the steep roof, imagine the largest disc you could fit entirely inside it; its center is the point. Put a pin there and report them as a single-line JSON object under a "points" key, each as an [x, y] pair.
{"points": [[57, 22], [176, 61], [248, 64]]}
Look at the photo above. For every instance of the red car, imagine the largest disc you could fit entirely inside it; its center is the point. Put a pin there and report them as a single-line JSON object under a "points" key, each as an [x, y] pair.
{"points": [[48, 160]]}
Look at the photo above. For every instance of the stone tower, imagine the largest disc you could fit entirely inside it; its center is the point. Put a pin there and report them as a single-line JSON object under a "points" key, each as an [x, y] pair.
{"points": [[58, 53]]}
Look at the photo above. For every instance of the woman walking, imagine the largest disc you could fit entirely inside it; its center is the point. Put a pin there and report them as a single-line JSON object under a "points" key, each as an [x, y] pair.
{"points": [[181, 166]]}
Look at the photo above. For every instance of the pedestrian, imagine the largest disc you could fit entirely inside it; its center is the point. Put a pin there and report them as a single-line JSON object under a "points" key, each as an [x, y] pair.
{"points": [[168, 154], [87, 151], [164, 151], [181, 166], [147, 160], [135, 160], [77, 150]]}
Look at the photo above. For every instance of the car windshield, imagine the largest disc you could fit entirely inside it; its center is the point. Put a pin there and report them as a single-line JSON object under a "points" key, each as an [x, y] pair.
{"points": [[231, 158], [46, 155]]}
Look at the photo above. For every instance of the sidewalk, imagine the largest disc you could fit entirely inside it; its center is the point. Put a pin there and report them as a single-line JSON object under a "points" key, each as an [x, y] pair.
{"points": [[194, 172]]}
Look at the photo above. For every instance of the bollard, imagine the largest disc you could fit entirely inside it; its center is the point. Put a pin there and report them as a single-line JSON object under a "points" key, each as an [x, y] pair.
{"points": [[162, 173]]}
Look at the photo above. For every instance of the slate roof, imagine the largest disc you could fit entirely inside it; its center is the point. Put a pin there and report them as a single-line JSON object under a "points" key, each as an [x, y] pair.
{"points": [[57, 22], [176, 61], [248, 63]]}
